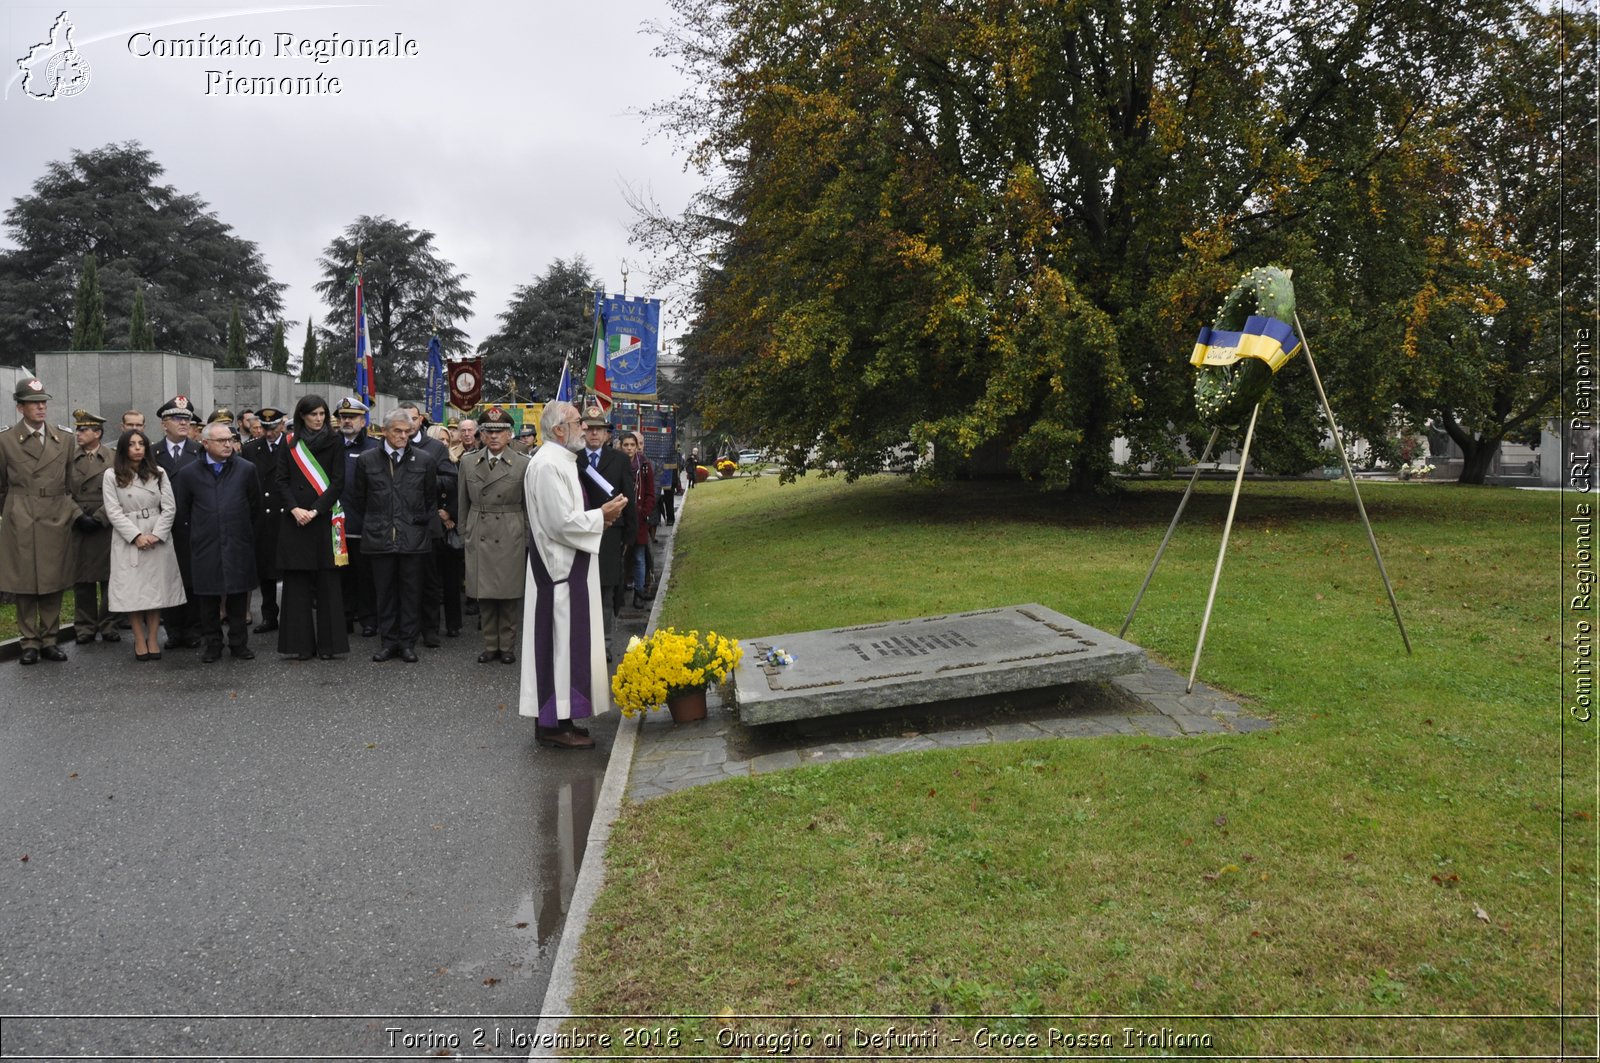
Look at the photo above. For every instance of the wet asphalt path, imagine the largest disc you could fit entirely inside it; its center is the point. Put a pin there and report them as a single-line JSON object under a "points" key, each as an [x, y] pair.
{"points": [[382, 844]]}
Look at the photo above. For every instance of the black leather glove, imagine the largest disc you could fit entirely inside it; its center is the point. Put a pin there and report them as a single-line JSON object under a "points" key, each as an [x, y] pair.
{"points": [[86, 523]]}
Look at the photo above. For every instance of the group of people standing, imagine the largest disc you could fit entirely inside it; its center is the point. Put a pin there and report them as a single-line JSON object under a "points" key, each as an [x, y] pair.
{"points": [[381, 533]]}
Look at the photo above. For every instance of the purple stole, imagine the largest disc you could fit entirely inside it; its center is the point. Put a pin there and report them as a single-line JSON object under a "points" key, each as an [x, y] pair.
{"points": [[544, 626]]}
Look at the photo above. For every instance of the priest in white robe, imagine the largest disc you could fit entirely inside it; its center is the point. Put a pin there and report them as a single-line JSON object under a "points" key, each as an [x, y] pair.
{"points": [[564, 675]]}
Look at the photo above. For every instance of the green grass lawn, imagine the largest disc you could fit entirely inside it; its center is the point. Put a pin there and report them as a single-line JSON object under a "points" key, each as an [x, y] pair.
{"points": [[1392, 847], [8, 616]]}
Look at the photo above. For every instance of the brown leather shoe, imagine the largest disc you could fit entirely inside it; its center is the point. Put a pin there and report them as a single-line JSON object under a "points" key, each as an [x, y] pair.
{"points": [[565, 740]]}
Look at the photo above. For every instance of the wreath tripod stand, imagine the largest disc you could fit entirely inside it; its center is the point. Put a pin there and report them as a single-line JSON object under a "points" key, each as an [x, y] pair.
{"points": [[1233, 504]]}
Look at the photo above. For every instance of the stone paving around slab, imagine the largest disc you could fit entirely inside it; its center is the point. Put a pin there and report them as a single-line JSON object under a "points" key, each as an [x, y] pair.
{"points": [[669, 757]]}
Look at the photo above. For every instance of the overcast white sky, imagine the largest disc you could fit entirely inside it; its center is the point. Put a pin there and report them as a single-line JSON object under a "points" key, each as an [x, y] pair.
{"points": [[511, 135]]}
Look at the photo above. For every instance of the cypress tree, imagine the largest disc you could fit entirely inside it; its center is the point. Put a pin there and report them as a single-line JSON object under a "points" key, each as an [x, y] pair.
{"points": [[236, 358], [280, 351], [89, 310], [308, 357], [141, 337]]}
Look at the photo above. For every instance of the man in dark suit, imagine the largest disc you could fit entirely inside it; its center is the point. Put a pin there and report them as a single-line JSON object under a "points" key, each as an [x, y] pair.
{"points": [[262, 453], [174, 453], [360, 605], [431, 588], [598, 462], [396, 491], [219, 505]]}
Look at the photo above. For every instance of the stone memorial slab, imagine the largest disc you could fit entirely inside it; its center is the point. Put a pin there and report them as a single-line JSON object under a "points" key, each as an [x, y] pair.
{"points": [[923, 661]]}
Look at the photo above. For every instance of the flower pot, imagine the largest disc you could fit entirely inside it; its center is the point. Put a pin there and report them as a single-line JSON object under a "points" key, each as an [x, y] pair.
{"points": [[726, 474], [688, 706], [701, 474]]}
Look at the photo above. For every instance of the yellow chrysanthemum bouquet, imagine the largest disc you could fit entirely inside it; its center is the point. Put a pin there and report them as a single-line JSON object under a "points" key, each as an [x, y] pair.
{"points": [[667, 663]]}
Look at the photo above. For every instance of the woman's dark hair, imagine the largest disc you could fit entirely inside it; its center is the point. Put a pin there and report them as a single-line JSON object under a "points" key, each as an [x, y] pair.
{"points": [[309, 404], [125, 469]]}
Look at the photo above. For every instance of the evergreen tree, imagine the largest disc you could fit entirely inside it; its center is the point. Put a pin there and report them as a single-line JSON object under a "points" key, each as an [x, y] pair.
{"points": [[309, 368], [237, 359], [89, 310], [408, 287], [109, 202], [280, 350], [141, 337], [543, 325]]}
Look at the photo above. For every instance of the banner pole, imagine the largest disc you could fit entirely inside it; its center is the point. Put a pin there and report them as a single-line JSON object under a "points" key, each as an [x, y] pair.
{"points": [[1227, 530], [1148, 576], [1338, 445]]}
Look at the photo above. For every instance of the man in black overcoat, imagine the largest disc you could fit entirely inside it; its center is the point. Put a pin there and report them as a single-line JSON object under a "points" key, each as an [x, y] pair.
{"points": [[431, 588], [219, 507], [174, 453], [613, 467], [262, 453], [360, 604], [396, 492]]}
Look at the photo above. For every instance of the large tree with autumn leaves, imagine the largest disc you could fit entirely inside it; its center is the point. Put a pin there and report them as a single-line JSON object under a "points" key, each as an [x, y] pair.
{"points": [[988, 226]]}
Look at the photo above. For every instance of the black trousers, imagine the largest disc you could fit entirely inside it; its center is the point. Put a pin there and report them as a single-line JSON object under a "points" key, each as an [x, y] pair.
{"points": [[451, 565], [312, 620], [360, 604], [666, 502], [397, 583], [211, 606]]}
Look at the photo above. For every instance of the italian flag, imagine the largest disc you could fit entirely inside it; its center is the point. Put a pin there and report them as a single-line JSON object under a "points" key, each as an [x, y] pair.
{"points": [[624, 344], [596, 378]]}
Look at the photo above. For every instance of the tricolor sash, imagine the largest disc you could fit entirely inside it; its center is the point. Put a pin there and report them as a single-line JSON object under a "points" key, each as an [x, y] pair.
{"points": [[312, 469]]}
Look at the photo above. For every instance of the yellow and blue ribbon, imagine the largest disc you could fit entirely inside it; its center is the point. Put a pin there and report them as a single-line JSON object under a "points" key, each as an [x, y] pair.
{"points": [[1264, 338]]}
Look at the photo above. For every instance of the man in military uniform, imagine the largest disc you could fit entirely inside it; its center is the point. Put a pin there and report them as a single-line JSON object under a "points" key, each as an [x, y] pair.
{"points": [[360, 600], [494, 530], [263, 454], [175, 452], [36, 514], [91, 529]]}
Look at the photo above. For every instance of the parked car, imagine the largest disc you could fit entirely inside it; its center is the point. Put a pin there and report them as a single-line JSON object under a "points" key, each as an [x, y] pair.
{"points": [[750, 457]]}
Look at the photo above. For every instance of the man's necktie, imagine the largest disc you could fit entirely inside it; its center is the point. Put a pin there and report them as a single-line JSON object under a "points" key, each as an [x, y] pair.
{"points": [[217, 471], [594, 460]]}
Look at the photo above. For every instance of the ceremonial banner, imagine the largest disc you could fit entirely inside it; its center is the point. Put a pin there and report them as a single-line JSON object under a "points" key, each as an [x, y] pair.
{"points": [[434, 395], [466, 383], [1264, 338], [632, 328]]}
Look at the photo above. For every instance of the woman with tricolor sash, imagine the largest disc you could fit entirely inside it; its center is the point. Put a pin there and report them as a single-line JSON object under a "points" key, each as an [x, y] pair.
{"points": [[311, 545]]}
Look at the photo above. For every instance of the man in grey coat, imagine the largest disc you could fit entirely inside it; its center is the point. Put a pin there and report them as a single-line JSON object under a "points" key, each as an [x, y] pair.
{"points": [[494, 530]]}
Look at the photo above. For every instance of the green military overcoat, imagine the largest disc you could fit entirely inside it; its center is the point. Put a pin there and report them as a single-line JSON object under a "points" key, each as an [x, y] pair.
{"points": [[36, 512], [93, 563], [494, 523]]}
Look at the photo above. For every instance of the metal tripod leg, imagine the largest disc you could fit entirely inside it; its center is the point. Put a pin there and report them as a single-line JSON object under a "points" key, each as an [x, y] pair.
{"points": [[1338, 444], [1227, 530], [1148, 576]]}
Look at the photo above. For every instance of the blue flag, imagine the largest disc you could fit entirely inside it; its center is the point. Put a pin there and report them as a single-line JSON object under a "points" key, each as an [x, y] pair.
{"points": [[564, 388], [436, 382]]}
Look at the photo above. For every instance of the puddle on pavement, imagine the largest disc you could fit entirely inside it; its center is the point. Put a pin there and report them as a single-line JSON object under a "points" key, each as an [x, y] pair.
{"points": [[544, 909]]}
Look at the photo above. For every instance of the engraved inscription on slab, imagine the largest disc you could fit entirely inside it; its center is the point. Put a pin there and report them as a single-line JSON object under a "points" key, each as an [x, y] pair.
{"points": [[929, 659]]}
